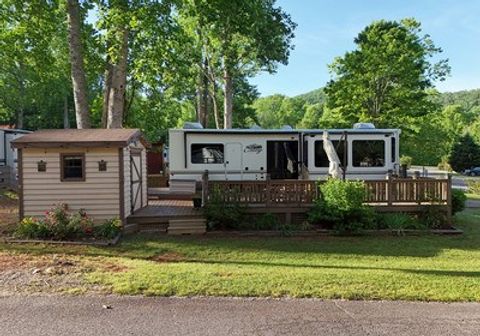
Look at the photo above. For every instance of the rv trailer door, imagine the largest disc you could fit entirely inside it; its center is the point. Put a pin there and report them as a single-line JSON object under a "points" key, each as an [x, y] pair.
{"points": [[233, 161]]}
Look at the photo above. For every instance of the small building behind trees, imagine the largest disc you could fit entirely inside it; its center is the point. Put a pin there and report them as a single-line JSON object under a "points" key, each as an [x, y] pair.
{"points": [[102, 171]]}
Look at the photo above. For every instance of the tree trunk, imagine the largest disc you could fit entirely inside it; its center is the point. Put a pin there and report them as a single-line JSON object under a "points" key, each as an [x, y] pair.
{"points": [[202, 96], [213, 95], [20, 110], [106, 92], [76, 60], [116, 99], [66, 120], [202, 93], [129, 102], [228, 99]]}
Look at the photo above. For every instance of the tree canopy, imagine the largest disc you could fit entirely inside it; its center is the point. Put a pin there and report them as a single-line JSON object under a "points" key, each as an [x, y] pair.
{"points": [[385, 79], [136, 63]]}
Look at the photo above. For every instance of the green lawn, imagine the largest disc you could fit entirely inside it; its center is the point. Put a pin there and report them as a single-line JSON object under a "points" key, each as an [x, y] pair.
{"points": [[441, 268], [473, 196]]}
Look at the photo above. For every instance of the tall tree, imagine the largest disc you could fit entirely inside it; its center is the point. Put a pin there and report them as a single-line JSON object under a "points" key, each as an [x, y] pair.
{"points": [[465, 154], [116, 18], [34, 66], [250, 35], [80, 88], [384, 80]]}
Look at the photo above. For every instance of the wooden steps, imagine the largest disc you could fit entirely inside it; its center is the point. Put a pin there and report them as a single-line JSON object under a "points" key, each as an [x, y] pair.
{"points": [[172, 216], [196, 225], [193, 224]]}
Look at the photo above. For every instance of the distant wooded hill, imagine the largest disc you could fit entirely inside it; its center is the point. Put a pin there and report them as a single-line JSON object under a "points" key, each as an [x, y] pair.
{"points": [[468, 99], [458, 113]]}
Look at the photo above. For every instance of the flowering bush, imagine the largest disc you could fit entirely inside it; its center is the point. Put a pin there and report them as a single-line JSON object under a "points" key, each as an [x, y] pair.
{"points": [[62, 225]]}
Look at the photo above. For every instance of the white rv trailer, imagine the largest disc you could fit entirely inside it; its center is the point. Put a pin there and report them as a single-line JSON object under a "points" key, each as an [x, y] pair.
{"points": [[254, 154], [8, 155]]}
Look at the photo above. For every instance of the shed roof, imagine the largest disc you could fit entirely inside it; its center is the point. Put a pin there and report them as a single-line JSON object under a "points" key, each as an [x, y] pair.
{"points": [[119, 137]]}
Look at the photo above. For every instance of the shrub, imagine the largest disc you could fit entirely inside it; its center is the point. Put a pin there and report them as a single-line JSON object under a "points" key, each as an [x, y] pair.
{"points": [[444, 165], [221, 214], [32, 228], [433, 217], [458, 200], [266, 221], [341, 207], [109, 229], [473, 186], [406, 160], [80, 224], [399, 222], [465, 154], [60, 224]]}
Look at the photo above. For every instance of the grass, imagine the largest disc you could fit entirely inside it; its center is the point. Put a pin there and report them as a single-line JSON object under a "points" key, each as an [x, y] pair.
{"points": [[471, 196], [439, 268]]}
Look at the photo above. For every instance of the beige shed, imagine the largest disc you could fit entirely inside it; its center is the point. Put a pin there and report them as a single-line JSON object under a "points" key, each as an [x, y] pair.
{"points": [[102, 171]]}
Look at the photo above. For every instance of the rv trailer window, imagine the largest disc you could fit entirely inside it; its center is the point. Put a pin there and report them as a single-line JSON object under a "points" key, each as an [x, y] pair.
{"points": [[321, 159], [207, 153], [368, 153]]}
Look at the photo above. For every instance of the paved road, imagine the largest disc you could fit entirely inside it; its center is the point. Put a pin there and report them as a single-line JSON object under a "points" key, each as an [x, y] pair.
{"points": [[71, 316]]}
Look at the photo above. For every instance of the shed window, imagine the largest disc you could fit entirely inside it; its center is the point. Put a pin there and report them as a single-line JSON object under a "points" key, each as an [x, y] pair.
{"points": [[368, 153], [207, 153], [321, 159], [73, 167]]}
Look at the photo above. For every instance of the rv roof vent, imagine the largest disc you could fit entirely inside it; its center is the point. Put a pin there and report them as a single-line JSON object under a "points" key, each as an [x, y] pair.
{"points": [[192, 125], [255, 127], [364, 125], [287, 127]]}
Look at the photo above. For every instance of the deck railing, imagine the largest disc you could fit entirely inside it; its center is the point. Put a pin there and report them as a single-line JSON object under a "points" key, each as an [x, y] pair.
{"points": [[388, 192]]}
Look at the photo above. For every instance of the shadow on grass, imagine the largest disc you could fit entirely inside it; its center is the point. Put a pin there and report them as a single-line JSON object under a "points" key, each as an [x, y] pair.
{"points": [[450, 273]]}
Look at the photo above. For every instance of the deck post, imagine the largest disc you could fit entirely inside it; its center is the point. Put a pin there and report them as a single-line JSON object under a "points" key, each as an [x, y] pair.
{"points": [[449, 198], [204, 188], [389, 189], [419, 190], [267, 189]]}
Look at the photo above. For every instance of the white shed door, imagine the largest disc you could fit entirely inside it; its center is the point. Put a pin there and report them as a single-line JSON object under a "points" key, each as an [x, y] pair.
{"points": [[136, 184]]}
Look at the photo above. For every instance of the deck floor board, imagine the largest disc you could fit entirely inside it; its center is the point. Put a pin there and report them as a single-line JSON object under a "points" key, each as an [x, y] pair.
{"points": [[167, 208]]}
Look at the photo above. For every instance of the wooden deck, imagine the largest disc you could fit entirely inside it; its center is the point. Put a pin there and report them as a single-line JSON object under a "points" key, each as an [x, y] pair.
{"points": [[389, 193], [167, 194], [293, 198], [290, 199]]}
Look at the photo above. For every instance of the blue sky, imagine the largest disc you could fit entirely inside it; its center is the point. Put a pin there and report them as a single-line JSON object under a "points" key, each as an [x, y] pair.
{"points": [[326, 29]]}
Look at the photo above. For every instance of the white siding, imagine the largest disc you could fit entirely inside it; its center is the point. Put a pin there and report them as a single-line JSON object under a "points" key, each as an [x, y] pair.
{"points": [[99, 194]]}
